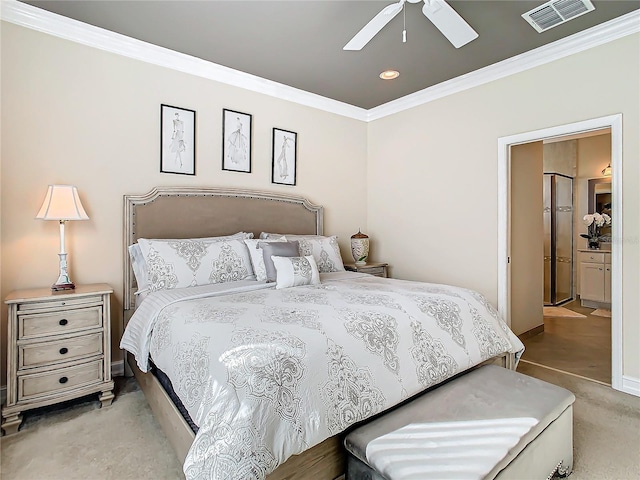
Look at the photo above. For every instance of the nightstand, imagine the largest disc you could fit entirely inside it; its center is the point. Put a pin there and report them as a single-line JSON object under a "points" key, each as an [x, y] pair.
{"points": [[59, 348], [372, 268]]}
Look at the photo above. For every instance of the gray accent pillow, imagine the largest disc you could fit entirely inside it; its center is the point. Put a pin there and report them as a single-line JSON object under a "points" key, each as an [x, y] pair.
{"points": [[277, 249]]}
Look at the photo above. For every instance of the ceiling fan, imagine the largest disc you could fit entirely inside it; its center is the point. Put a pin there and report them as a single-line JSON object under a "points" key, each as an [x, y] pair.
{"points": [[445, 18]]}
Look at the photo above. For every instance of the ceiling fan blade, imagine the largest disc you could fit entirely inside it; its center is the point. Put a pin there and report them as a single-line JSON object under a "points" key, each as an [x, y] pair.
{"points": [[449, 22], [376, 24]]}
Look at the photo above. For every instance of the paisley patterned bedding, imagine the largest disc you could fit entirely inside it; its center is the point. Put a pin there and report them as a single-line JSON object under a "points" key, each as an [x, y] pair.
{"points": [[269, 373]]}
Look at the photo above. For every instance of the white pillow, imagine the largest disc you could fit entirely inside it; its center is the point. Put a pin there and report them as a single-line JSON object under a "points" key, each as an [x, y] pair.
{"points": [[190, 262], [325, 251], [139, 267], [257, 259], [295, 271]]}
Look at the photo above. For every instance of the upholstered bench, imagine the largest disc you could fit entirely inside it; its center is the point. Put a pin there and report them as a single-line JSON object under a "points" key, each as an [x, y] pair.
{"points": [[489, 423]]}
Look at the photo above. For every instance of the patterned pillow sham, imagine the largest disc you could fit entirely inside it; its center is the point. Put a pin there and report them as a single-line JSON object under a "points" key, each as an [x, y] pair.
{"points": [[257, 259], [279, 249], [295, 271], [191, 262], [325, 251]]}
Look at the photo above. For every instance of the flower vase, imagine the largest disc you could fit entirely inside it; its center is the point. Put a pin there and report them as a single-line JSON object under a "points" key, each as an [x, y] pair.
{"points": [[360, 248], [593, 243]]}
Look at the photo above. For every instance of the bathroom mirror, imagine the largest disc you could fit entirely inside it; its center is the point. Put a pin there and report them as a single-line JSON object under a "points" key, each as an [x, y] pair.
{"points": [[600, 199]]}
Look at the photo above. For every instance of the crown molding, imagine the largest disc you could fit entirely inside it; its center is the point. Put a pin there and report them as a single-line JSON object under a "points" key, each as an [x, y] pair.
{"points": [[57, 25], [44, 21], [595, 36]]}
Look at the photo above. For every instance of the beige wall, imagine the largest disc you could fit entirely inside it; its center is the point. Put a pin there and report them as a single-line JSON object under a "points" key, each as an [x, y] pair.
{"points": [[432, 170], [560, 157], [74, 114], [527, 237]]}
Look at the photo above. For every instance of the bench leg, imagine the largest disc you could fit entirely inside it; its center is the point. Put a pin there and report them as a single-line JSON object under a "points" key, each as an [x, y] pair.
{"points": [[358, 470]]}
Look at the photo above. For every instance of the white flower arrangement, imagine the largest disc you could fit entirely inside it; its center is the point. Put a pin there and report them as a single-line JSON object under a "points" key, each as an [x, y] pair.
{"points": [[594, 222]]}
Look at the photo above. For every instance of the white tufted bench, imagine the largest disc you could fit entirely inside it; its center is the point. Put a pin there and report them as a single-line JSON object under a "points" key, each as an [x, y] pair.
{"points": [[488, 423]]}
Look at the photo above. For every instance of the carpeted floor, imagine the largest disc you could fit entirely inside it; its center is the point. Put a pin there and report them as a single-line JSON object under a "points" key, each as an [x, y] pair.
{"points": [[81, 441], [606, 427]]}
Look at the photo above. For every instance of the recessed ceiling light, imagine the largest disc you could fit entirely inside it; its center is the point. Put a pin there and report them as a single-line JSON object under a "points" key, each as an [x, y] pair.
{"points": [[389, 75]]}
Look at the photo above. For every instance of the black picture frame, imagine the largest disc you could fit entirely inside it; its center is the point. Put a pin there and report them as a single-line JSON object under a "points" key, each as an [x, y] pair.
{"points": [[236, 141], [284, 157], [177, 140]]}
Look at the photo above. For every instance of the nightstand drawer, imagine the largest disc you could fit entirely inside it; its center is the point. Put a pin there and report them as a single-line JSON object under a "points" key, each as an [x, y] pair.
{"points": [[58, 323], [60, 304], [375, 271], [40, 354], [59, 380]]}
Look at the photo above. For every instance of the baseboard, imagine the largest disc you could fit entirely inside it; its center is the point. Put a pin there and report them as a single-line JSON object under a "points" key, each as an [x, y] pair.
{"points": [[531, 333], [631, 385], [117, 370]]}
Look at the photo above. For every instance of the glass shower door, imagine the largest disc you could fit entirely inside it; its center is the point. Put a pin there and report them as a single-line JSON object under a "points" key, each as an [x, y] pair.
{"points": [[563, 238], [558, 238], [546, 195]]}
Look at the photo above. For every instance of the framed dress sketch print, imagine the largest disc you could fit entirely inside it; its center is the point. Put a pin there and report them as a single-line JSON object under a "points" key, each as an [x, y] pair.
{"points": [[236, 141], [284, 157], [177, 140]]}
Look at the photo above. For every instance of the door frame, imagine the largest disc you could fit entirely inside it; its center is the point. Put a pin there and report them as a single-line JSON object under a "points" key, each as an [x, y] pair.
{"points": [[504, 228]]}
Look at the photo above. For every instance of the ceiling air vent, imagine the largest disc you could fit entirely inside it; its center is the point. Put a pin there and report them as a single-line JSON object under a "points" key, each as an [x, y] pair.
{"points": [[556, 12]]}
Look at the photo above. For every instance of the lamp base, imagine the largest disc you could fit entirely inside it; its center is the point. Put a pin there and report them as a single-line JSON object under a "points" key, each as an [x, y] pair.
{"points": [[63, 282]]}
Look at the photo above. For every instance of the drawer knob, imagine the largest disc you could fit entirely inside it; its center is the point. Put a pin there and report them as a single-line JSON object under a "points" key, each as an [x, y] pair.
{"points": [[63, 380], [63, 350], [64, 321]]}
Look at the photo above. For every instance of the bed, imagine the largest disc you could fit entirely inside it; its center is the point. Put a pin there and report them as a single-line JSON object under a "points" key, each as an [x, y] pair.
{"points": [[342, 351]]}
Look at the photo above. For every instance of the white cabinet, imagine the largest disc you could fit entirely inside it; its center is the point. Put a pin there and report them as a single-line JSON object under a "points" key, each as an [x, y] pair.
{"points": [[595, 279]]}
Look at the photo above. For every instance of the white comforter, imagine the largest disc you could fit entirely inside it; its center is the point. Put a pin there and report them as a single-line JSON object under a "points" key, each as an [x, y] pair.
{"points": [[267, 373]]}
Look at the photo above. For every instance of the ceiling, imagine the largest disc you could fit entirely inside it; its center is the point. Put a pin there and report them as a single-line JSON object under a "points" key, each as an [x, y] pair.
{"points": [[299, 43]]}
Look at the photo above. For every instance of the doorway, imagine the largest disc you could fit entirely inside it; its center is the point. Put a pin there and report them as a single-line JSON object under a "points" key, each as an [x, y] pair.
{"points": [[506, 243]]}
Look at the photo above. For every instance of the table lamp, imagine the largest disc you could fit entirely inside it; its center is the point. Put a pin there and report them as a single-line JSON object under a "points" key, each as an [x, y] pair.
{"points": [[62, 203]]}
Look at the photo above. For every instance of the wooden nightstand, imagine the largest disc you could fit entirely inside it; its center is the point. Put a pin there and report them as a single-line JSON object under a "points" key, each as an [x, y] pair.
{"points": [[372, 268], [59, 348]]}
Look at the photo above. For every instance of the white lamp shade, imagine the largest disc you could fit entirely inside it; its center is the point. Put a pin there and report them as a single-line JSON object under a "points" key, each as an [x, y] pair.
{"points": [[62, 203]]}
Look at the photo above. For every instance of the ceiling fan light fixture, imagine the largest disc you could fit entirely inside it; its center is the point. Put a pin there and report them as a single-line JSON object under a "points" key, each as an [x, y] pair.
{"points": [[389, 74]]}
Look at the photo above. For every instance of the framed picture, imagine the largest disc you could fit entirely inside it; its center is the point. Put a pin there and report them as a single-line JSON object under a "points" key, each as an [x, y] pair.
{"points": [[236, 141], [177, 140], [284, 155]]}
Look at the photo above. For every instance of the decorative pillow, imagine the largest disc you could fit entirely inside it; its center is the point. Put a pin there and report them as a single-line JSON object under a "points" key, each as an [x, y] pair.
{"points": [[139, 267], [279, 249], [257, 259], [296, 271], [325, 251], [191, 262]]}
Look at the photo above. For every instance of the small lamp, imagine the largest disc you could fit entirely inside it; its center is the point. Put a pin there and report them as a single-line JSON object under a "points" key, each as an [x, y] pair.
{"points": [[606, 171], [62, 203]]}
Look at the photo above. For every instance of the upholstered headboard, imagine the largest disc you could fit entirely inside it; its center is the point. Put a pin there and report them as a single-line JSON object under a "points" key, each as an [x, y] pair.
{"points": [[190, 212]]}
